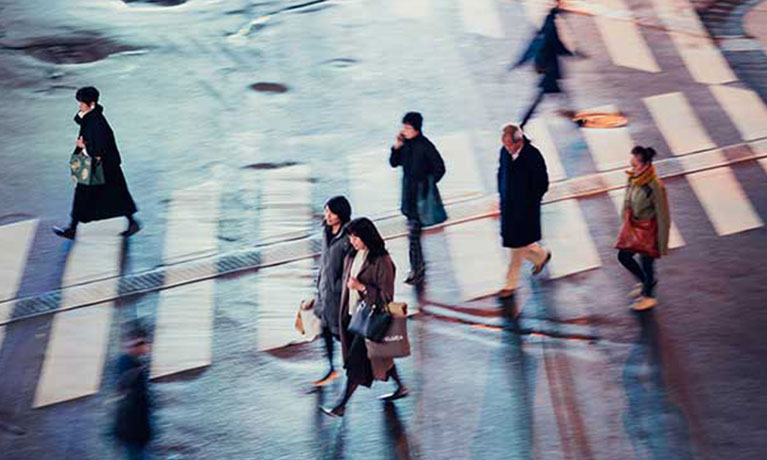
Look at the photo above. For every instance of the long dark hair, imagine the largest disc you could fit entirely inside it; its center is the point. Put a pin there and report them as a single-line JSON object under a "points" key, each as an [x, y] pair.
{"points": [[364, 229], [341, 207]]}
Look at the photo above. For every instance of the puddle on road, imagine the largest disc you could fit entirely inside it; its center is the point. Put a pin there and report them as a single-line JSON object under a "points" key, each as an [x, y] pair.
{"points": [[77, 49], [157, 2], [269, 87], [268, 166], [341, 63]]}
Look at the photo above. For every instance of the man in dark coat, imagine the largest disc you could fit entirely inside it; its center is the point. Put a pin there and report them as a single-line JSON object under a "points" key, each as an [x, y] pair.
{"points": [[133, 424], [112, 199], [522, 182], [544, 50], [419, 160]]}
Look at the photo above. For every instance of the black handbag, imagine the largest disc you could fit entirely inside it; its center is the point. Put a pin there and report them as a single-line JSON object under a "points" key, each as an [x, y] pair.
{"points": [[370, 322], [431, 211]]}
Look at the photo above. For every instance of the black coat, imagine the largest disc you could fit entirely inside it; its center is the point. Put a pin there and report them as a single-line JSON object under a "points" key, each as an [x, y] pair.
{"points": [[133, 418], [419, 160], [544, 50], [98, 202], [521, 185], [335, 248]]}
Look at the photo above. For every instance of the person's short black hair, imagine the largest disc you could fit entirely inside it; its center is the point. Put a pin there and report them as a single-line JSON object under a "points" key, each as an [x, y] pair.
{"points": [[647, 153], [365, 229], [413, 119], [87, 95]]}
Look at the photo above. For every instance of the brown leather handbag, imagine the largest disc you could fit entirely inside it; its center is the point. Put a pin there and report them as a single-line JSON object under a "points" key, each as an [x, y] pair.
{"points": [[639, 236]]}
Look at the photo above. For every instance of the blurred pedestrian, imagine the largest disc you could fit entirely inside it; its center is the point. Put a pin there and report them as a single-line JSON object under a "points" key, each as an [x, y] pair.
{"points": [[422, 169], [96, 140], [335, 248], [133, 421], [544, 50], [646, 224], [368, 276], [522, 182]]}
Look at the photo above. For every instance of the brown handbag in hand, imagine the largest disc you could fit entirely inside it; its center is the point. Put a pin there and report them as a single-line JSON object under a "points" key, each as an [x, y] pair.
{"points": [[640, 236]]}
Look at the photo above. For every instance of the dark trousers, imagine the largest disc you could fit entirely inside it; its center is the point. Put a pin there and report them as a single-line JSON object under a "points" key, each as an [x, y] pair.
{"points": [[135, 450], [645, 272], [414, 230], [327, 338]]}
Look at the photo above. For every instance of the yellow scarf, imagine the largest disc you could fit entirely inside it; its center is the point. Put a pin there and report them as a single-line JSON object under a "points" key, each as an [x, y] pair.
{"points": [[642, 178]]}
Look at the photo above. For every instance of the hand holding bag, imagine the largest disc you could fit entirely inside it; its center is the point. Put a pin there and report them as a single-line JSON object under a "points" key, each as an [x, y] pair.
{"points": [[307, 323], [640, 236], [370, 322], [86, 170]]}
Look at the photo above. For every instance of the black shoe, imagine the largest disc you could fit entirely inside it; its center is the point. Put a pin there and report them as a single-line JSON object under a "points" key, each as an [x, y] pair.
{"points": [[401, 392], [336, 412], [416, 277], [133, 228], [539, 268], [68, 233]]}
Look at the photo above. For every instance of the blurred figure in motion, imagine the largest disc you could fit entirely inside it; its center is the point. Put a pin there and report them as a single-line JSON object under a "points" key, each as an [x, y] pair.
{"points": [[96, 140], [133, 419], [522, 182], [544, 50], [422, 169], [335, 248], [645, 228], [368, 275]]}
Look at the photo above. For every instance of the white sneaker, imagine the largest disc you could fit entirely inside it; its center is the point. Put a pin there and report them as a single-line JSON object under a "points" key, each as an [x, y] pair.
{"points": [[644, 303], [636, 291]]}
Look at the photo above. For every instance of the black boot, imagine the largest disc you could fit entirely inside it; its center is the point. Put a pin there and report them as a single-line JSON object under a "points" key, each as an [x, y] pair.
{"points": [[133, 228], [417, 276], [68, 232]]}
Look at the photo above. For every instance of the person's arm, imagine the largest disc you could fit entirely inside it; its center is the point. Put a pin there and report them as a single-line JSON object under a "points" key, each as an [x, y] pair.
{"points": [[436, 162], [541, 178], [660, 201], [383, 287]]}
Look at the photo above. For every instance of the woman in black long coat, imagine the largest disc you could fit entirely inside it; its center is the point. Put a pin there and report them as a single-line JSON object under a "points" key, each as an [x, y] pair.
{"points": [[112, 199], [335, 248]]}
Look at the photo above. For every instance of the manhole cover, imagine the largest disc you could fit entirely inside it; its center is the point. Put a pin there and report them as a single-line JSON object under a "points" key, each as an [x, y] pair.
{"points": [[600, 119], [266, 87]]}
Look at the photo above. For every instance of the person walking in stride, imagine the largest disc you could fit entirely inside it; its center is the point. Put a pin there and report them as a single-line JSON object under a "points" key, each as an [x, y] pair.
{"points": [[368, 276], [133, 419], [645, 228], [96, 140], [335, 248], [422, 169], [522, 182]]}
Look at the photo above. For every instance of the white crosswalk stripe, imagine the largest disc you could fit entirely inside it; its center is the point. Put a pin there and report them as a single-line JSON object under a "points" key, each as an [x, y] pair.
{"points": [[76, 350], [566, 235], [374, 186], [462, 179], [481, 17], [621, 35], [410, 9], [477, 276], [184, 330], [745, 108], [678, 123], [610, 148], [701, 56], [675, 239], [538, 132], [15, 241]]}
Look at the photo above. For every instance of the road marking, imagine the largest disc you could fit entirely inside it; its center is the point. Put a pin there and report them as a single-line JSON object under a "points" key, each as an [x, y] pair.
{"points": [[623, 39], [678, 123], [462, 178], [279, 292], [374, 186], [537, 10], [675, 239], [724, 201], [184, 330], [398, 250], [192, 223], [74, 357], [702, 58], [538, 132], [745, 108], [15, 241], [411, 9], [481, 17], [74, 360], [183, 337], [477, 257], [567, 236], [610, 148], [286, 202]]}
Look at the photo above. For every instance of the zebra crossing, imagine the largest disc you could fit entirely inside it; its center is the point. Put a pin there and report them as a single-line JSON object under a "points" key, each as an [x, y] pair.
{"points": [[75, 354]]}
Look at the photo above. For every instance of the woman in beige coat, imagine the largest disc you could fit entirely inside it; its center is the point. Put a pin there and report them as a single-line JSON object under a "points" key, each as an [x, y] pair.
{"points": [[368, 275], [646, 224]]}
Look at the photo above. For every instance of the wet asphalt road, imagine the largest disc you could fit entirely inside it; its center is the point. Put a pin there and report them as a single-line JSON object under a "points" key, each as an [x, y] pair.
{"points": [[574, 376]]}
